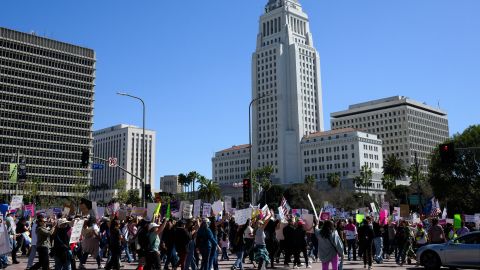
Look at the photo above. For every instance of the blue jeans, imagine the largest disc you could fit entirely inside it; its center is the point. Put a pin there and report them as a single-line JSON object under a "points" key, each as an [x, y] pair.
{"points": [[378, 242], [171, 258], [190, 256], [127, 252], [33, 252], [239, 262], [205, 259], [213, 260], [59, 265]]}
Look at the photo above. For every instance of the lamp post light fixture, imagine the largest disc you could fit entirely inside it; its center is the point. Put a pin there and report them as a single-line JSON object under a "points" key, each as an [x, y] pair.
{"points": [[144, 145], [250, 142]]}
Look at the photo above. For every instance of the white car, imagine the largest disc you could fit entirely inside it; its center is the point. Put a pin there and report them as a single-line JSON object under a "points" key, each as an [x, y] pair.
{"points": [[461, 252]]}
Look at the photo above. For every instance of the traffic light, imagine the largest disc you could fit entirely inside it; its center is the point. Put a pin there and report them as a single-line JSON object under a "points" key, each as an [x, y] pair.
{"points": [[22, 171], [85, 157], [447, 153], [247, 188], [148, 191]]}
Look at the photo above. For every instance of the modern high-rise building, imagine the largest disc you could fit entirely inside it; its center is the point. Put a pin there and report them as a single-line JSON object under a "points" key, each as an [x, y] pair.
{"points": [[286, 73], [46, 111], [406, 127], [123, 142]]}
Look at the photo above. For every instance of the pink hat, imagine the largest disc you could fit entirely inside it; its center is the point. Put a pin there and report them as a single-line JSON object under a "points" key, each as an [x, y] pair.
{"points": [[301, 222]]}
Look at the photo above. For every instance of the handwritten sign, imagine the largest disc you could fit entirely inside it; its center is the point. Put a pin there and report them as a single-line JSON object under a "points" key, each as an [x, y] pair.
{"points": [[207, 210], [217, 207], [187, 211], [325, 216], [241, 216], [17, 202], [197, 204], [76, 231], [228, 204]]}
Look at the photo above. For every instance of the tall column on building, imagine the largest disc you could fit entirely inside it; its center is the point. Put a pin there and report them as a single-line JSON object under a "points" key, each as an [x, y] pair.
{"points": [[286, 68]]}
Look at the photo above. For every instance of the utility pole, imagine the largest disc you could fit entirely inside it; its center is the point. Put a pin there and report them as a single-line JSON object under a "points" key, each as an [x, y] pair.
{"points": [[417, 175]]}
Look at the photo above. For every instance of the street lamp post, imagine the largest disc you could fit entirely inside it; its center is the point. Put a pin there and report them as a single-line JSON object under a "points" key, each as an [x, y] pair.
{"points": [[250, 142], [144, 152]]}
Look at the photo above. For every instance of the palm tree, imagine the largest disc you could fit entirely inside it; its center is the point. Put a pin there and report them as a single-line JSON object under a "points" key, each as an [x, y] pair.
{"points": [[393, 167], [309, 180], [193, 176], [183, 180], [365, 178], [333, 180], [208, 189]]}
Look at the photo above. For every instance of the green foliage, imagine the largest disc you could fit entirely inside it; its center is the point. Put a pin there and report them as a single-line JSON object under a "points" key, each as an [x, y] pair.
{"points": [[274, 196], [389, 182], [458, 184], [365, 178], [333, 180], [393, 167], [310, 180], [208, 189]]}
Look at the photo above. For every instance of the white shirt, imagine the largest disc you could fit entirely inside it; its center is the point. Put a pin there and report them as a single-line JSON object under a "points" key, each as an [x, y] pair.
{"points": [[248, 233]]}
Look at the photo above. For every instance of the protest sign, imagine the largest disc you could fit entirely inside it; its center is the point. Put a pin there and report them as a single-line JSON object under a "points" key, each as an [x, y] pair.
{"points": [[396, 213], [76, 231], [31, 209], [308, 219], [373, 207], [122, 214], [151, 209], [187, 211], [325, 216], [360, 218], [139, 211], [197, 204], [4, 238], [383, 216], [217, 207], [296, 212], [457, 221], [207, 210], [241, 216], [228, 204], [449, 221], [3, 209], [66, 211], [17, 202], [470, 218], [477, 217], [305, 211], [94, 209]]}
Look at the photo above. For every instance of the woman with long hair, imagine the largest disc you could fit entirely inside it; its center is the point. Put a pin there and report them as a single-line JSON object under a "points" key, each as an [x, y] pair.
{"points": [[330, 246]]}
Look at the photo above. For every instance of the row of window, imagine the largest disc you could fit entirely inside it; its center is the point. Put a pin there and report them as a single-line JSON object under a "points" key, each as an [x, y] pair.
{"points": [[47, 70]]}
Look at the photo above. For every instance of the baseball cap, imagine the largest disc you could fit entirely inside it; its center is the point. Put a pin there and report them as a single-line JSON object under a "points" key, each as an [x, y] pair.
{"points": [[153, 225]]}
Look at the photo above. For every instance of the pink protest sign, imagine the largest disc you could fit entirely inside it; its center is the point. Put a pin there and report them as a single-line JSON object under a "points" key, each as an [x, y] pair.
{"points": [[31, 209], [383, 217], [325, 216]]}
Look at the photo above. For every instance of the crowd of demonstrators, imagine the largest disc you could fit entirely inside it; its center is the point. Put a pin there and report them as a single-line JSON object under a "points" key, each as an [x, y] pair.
{"points": [[198, 243]]}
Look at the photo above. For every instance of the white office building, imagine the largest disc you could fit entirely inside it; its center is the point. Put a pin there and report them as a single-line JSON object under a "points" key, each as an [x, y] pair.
{"points": [[343, 152], [286, 70], [170, 184], [229, 167], [123, 142], [404, 125]]}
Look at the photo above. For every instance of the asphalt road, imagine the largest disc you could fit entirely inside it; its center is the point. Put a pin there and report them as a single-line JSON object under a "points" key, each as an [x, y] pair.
{"points": [[388, 264]]}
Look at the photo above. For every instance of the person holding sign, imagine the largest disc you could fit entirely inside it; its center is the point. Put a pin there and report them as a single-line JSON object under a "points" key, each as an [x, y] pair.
{"points": [[261, 255], [43, 243]]}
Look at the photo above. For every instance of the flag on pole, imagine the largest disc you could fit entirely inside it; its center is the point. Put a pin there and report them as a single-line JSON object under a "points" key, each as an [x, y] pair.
{"points": [[285, 207], [436, 211], [444, 213]]}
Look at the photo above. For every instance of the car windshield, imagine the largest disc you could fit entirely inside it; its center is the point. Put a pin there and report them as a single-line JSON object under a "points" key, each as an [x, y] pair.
{"points": [[473, 238]]}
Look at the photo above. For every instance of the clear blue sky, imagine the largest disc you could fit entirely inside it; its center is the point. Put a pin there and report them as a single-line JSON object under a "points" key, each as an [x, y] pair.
{"points": [[191, 60]]}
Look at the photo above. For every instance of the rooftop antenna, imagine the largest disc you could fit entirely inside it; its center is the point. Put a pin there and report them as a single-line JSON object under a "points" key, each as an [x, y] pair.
{"points": [[438, 103]]}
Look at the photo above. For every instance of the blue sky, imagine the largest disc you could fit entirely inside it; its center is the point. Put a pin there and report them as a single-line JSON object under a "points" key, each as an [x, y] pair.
{"points": [[191, 60]]}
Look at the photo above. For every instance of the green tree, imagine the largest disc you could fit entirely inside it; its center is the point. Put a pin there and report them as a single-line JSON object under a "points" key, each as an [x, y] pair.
{"points": [[122, 194], [183, 180], [388, 182], [133, 197], [458, 184], [365, 178], [310, 180], [333, 180], [192, 178], [208, 189]]}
